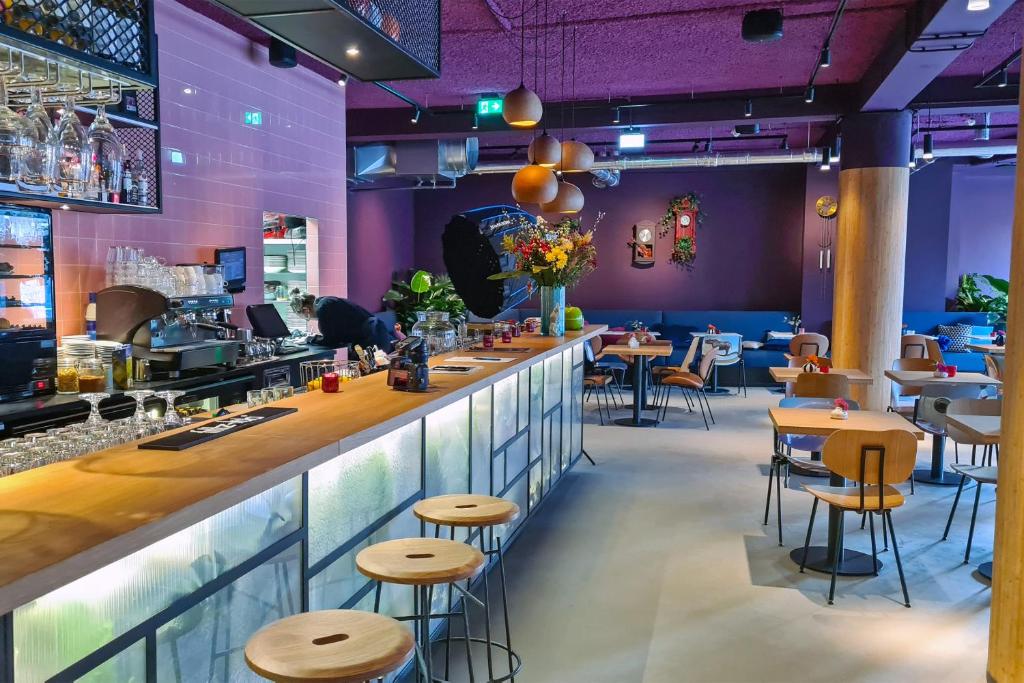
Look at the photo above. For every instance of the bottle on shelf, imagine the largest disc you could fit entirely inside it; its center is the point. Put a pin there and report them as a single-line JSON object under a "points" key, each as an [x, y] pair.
{"points": [[127, 184], [90, 317]]}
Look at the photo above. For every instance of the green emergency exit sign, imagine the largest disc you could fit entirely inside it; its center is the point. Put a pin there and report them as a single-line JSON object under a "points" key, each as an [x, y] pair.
{"points": [[486, 106]]}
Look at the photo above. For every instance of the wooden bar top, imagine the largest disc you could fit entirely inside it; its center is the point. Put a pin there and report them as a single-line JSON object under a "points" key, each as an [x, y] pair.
{"points": [[65, 520]]}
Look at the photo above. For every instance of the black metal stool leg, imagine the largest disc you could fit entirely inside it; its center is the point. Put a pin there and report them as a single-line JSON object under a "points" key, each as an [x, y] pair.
{"points": [[835, 560], [487, 611], [899, 564], [874, 546], [974, 518], [768, 498], [952, 510], [504, 606], [778, 505]]}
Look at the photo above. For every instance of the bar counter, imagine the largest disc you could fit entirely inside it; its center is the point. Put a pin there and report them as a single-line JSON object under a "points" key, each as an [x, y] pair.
{"points": [[138, 565]]}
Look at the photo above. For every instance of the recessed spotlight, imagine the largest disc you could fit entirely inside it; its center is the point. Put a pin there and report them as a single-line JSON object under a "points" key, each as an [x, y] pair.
{"points": [[826, 156], [977, 5], [352, 51], [187, 91], [415, 116], [784, 145], [343, 81], [809, 94], [476, 121], [748, 109], [929, 147]]}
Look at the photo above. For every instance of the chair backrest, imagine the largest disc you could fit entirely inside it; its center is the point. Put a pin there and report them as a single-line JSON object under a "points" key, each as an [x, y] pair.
{"points": [[934, 352], [809, 344], [691, 353], [871, 458], [913, 346], [707, 362], [809, 402], [588, 351], [821, 385], [992, 368], [597, 344], [935, 399], [916, 364], [729, 344]]}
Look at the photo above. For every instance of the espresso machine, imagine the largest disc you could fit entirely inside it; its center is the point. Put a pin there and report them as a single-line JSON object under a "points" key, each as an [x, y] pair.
{"points": [[175, 334]]}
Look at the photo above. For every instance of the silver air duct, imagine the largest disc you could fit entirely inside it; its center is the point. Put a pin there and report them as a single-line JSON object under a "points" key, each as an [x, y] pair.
{"points": [[604, 178], [425, 161], [807, 156]]}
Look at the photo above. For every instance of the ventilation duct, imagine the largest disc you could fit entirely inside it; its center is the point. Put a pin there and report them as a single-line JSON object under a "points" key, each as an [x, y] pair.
{"points": [[604, 178], [985, 133], [807, 156], [422, 160]]}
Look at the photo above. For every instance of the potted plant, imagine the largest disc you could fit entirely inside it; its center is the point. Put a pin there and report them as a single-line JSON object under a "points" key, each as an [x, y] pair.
{"points": [[423, 292]]}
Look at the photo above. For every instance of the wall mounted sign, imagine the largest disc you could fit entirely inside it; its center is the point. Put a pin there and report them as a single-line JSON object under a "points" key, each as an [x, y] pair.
{"points": [[682, 218], [214, 429], [643, 244]]}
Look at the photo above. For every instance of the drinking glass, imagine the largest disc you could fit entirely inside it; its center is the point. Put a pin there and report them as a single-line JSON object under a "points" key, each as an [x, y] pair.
{"points": [[171, 417], [15, 138], [94, 398], [70, 154], [254, 398], [35, 175], [108, 157], [140, 417]]}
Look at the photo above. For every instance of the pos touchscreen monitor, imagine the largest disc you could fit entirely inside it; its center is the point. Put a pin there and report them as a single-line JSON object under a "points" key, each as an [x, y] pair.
{"points": [[233, 260]]}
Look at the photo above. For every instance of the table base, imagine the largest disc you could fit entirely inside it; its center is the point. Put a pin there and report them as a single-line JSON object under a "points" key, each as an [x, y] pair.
{"points": [[642, 422], [649, 406], [718, 391], [924, 475], [985, 569], [853, 563]]}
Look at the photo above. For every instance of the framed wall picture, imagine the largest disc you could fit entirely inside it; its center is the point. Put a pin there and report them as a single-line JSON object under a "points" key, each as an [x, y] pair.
{"points": [[643, 243]]}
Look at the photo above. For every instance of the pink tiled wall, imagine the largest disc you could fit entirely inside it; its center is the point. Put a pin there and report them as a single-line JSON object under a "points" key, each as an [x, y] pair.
{"points": [[294, 163]]}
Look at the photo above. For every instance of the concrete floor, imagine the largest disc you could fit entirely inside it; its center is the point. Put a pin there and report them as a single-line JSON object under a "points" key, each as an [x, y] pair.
{"points": [[654, 567]]}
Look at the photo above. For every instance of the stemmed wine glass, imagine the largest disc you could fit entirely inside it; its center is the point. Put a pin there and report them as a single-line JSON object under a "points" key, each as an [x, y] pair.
{"points": [[35, 172], [94, 399], [70, 153], [140, 419], [171, 417]]}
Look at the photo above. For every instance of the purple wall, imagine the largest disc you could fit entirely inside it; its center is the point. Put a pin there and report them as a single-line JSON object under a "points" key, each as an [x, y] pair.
{"points": [[380, 242], [748, 250], [925, 285], [816, 294], [981, 222]]}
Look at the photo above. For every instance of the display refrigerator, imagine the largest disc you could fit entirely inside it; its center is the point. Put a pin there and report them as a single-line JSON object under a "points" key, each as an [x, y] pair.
{"points": [[28, 328]]}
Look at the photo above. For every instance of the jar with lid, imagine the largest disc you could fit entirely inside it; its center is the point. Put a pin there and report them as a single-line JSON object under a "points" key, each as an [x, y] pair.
{"points": [[92, 376], [436, 330], [67, 376]]}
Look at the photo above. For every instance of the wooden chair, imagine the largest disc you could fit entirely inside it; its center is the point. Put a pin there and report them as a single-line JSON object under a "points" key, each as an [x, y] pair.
{"points": [[934, 352], [979, 474], [808, 344], [903, 399], [994, 369], [596, 385], [607, 365], [972, 406], [873, 461], [661, 371], [913, 346], [799, 362], [821, 385], [345, 646], [696, 383]]}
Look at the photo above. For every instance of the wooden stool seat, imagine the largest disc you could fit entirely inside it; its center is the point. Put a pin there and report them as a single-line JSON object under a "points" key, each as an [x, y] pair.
{"points": [[848, 497], [344, 646], [598, 380], [467, 510], [419, 561], [683, 379]]}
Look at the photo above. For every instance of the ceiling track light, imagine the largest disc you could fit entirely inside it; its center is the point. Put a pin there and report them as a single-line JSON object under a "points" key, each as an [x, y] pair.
{"points": [[476, 121], [978, 5], [784, 145], [696, 147], [1003, 79], [834, 149], [617, 117], [826, 155], [929, 147], [913, 156], [825, 59], [415, 116], [709, 145], [748, 108], [809, 94]]}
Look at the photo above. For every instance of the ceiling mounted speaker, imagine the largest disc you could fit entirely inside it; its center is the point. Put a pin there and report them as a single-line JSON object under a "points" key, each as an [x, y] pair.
{"points": [[762, 26], [545, 151], [534, 184], [577, 157], [522, 108], [568, 200], [282, 55]]}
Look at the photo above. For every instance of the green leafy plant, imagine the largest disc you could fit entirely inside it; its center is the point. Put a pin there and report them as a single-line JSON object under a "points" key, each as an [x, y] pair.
{"points": [[983, 294], [423, 292]]}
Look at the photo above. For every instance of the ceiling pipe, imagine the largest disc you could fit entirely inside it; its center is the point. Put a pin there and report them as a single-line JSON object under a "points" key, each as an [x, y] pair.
{"points": [[806, 156]]}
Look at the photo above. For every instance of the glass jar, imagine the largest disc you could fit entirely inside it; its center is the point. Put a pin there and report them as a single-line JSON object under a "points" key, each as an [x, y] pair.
{"points": [[67, 376], [92, 376], [436, 330], [107, 158]]}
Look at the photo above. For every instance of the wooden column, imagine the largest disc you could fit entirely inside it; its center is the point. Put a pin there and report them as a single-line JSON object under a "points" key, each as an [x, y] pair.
{"points": [[1006, 632], [867, 315]]}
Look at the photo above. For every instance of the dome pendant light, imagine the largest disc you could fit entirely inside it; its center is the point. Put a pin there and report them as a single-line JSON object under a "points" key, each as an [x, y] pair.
{"points": [[545, 151], [577, 157], [522, 108], [569, 200], [534, 184]]}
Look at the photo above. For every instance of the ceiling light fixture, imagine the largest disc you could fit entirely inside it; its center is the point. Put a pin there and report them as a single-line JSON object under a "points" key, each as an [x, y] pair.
{"points": [[696, 147], [632, 139], [352, 51], [545, 150], [748, 108], [476, 121], [826, 155], [415, 116], [913, 156], [784, 145], [522, 108], [977, 5], [343, 80], [834, 149], [188, 91], [1003, 79], [825, 59], [569, 200], [617, 117], [708, 146], [534, 184], [809, 94], [929, 148]]}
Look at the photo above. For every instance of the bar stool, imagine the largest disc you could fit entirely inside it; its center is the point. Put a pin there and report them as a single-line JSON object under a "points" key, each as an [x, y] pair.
{"points": [[471, 511], [345, 646], [423, 563]]}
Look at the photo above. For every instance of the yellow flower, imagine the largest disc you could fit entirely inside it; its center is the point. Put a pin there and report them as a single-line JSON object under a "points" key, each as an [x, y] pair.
{"points": [[562, 261], [586, 237], [508, 243], [552, 255], [537, 269]]}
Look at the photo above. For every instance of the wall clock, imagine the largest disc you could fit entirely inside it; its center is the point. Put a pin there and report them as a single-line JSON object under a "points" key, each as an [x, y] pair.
{"points": [[643, 243]]}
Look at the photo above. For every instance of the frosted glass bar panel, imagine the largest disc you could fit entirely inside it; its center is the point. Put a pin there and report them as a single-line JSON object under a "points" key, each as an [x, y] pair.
{"points": [[481, 473], [206, 642], [506, 400], [577, 411], [577, 354], [58, 629], [517, 456], [339, 581], [128, 666], [536, 484], [536, 409], [351, 492], [448, 450], [552, 381], [556, 444], [498, 476], [524, 399], [519, 494], [566, 444], [546, 459]]}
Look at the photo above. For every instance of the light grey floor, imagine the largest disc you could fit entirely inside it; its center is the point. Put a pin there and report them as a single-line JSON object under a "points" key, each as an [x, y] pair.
{"points": [[653, 567]]}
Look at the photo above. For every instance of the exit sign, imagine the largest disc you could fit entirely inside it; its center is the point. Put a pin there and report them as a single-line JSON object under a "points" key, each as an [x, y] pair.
{"points": [[253, 118], [489, 105]]}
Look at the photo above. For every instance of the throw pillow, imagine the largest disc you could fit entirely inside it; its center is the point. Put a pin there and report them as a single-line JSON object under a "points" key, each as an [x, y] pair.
{"points": [[959, 336]]}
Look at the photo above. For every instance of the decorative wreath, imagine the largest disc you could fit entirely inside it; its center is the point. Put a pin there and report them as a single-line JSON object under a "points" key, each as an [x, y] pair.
{"points": [[684, 250]]}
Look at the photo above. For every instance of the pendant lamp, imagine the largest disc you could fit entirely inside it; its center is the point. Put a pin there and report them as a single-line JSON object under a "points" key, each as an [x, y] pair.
{"points": [[545, 151], [534, 184], [522, 108], [568, 200], [577, 157]]}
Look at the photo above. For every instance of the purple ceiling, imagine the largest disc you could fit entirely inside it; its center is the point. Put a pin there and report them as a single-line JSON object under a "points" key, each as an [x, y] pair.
{"points": [[645, 48], [989, 51]]}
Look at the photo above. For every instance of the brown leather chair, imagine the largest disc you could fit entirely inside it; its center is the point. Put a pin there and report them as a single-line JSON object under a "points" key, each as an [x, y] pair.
{"points": [[934, 352], [903, 398], [695, 382], [821, 385], [808, 344], [913, 346]]}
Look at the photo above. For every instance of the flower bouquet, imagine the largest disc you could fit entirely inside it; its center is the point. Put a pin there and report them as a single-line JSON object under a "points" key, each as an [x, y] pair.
{"points": [[841, 411], [794, 321], [554, 256]]}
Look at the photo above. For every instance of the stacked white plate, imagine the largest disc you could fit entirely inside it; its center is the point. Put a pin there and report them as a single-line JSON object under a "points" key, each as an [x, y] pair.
{"points": [[78, 347], [275, 263], [105, 350], [298, 262]]}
